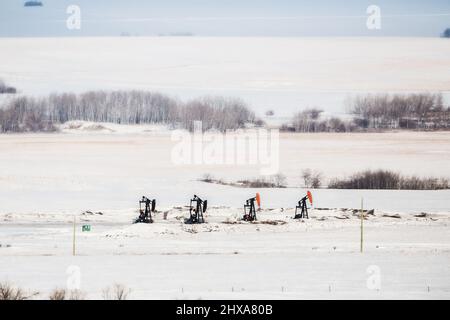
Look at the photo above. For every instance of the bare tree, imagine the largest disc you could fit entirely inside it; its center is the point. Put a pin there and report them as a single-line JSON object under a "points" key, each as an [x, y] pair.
{"points": [[316, 180], [9, 292], [58, 294], [279, 180], [117, 292], [311, 179], [306, 176]]}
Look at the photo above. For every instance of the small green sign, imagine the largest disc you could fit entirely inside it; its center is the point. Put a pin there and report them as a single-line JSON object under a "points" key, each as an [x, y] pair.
{"points": [[86, 228]]}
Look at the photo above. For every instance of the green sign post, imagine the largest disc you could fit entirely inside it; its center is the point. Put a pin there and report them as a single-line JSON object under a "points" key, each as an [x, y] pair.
{"points": [[86, 228]]}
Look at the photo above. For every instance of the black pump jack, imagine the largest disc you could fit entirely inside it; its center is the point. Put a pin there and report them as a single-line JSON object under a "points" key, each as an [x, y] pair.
{"points": [[196, 209], [303, 207], [250, 205], [145, 214]]}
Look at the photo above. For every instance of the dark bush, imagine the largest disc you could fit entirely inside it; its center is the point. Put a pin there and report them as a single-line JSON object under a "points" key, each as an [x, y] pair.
{"points": [[6, 89], [384, 179]]}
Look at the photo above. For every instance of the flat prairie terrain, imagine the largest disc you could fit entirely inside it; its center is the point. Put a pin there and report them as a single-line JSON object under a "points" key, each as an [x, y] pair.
{"points": [[88, 170], [48, 179]]}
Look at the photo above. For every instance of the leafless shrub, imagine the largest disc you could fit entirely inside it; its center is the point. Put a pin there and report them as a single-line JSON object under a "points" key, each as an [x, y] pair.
{"points": [[279, 180], [384, 179], [306, 176], [311, 179], [9, 292], [207, 177], [316, 180], [76, 294], [275, 181], [63, 294], [117, 292], [256, 183], [58, 294]]}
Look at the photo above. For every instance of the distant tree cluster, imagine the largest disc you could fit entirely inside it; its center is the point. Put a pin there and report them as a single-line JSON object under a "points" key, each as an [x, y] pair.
{"points": [[122, 107], [6, 89], [384, 179], [217, 113], [33, 4], [275, 181], [311, 179], [411, 111], [381, 111], [310, 120], [446, 33], [22, 116]]}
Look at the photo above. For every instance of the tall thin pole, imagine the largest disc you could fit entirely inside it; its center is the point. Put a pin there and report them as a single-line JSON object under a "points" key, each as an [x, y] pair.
{"points": [[362, 223], [74, 229]]}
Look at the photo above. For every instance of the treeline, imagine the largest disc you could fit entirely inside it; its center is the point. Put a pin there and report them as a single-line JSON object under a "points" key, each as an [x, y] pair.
{"points": [[374, 112], [274, 181], [310, 120], [384, 179], [411, 111], [123, 107]]}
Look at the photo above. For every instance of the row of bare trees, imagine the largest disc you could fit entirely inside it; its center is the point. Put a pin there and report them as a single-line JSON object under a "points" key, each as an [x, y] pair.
{"points": [[379, 111], [310, 120], [410, 111], [123, 107]]}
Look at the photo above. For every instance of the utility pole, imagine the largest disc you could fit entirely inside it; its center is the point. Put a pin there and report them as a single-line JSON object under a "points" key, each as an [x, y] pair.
{"points": [[362, 224], [74, 229]]}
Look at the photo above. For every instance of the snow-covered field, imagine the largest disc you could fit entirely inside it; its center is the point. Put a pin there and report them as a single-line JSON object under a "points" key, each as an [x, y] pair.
{"points": [[46, 179], [225, 258], [82, 169]]}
